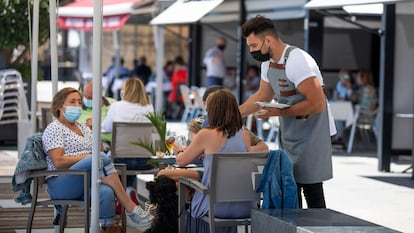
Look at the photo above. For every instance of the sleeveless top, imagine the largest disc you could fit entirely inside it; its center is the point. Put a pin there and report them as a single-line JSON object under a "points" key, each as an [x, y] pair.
{"points": [[199, 204], [305, 138]]}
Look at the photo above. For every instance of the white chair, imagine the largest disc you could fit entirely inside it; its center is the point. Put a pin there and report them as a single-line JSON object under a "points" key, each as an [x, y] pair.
{"points": [[232, 179], [274, 130], [363, 129], [198, 93], [189, 107]]}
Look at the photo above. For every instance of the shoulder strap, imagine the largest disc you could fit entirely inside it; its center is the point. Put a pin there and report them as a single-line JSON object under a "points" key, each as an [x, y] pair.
{"points": [[282, 66], [290, 48]]}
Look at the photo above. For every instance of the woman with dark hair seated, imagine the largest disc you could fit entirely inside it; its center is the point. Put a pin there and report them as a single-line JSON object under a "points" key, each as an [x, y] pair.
{"points": [[224, 134]]}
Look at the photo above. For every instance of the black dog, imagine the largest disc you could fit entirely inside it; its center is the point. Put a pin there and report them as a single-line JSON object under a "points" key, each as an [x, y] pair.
{"points": [[163, 193]]}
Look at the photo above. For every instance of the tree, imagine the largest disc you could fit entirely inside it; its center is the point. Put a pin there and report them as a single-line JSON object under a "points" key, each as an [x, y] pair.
{"points": [[15, 29]]}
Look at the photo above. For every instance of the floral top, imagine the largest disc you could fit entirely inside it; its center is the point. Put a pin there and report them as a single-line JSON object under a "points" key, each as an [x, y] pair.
{"points": [[57, 135]]}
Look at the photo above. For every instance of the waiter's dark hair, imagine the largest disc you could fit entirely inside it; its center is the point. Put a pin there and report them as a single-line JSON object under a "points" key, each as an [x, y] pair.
{"points": [[259, 25]]}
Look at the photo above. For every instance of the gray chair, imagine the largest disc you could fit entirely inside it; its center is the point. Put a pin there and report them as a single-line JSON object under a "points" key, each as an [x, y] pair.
{"points": [[233, 179], [123, 133], [39, 180], [47, 117]]}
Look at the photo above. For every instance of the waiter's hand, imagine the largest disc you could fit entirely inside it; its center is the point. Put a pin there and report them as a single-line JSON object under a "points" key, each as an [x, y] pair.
{"points": [[265, 112]]}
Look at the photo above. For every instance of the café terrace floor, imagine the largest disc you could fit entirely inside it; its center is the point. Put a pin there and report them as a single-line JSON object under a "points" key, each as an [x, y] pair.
{"points": [[357, 189]]}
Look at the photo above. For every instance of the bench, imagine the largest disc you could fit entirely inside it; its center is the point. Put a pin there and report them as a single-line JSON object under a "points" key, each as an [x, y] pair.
{"points": [[310, 220]]}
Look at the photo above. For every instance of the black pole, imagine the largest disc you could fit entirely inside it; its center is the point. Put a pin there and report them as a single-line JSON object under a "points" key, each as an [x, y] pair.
{"points": [[386, 88], [314, 29], [194, 60], [241, 55]]}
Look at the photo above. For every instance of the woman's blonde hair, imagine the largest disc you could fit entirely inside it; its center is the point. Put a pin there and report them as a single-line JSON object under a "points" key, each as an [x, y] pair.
{"points": [[195, 125], [134, 92], [59, 99], [366, 77]]}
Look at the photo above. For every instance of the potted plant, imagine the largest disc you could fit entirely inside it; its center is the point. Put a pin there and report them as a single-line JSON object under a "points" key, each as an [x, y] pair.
{"points": [[158, 121]]}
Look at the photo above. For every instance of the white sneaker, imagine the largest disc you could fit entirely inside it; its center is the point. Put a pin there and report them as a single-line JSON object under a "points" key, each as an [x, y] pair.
{"points": [[139, 218]]}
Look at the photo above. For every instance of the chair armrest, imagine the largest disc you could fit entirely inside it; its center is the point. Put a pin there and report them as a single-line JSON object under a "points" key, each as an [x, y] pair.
{"points": [[183, 181], [193, 184], [40, 173]]}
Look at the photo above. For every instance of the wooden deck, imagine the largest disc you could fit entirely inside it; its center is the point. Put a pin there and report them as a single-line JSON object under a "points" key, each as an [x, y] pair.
{"points": [[14, 218]]}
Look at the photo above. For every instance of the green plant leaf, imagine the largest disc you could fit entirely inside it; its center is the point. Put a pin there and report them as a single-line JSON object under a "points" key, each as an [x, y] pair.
{"points": [[153, 162], [158, 121], [146, 144]]}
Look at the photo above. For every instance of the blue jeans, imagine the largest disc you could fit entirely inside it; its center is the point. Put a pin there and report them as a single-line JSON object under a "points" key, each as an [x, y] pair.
{"points": [[71, 187], [214, 80]]}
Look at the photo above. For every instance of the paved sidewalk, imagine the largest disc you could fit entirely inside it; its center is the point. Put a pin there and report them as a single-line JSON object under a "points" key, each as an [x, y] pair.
{"points": [[360, 190], [8, 161], [357, 188]]}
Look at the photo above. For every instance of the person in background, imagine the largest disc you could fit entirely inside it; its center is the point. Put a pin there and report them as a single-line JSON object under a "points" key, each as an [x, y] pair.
{"points": [[117, 79], [180, 77], [215, 65], [366, 97], [135, 104], [142, 70], [151, 86], [86, 116], [344, 90], [292, 76], [345, 87], [252, 81], [68, 145]]}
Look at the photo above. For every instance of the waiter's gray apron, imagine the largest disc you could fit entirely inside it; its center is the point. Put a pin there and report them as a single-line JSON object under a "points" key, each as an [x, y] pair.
{"points": [[305, 138]]}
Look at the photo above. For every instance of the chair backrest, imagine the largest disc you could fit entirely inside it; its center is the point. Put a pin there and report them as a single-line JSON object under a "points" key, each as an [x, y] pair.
{"points": [[198, 93], [47, 117], [185, 93], [123, 133], [232, 176]]}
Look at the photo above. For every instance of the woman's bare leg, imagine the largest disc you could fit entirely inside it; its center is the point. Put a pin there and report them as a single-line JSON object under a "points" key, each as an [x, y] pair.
{"points": [[115, 183], [174, 174]]}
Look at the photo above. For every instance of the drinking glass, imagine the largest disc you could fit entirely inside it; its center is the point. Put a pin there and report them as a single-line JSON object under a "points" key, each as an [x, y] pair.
{"points": [[182, 141], [169, 142]]}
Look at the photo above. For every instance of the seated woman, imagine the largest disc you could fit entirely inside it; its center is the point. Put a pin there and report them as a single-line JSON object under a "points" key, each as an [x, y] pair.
{"points": [[135, 104], [224, 134], [366, 97], [256, 144], [68, 144]]}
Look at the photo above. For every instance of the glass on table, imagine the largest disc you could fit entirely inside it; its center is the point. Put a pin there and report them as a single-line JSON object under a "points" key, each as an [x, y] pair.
{"points": [[181, 141], [169, 143]]}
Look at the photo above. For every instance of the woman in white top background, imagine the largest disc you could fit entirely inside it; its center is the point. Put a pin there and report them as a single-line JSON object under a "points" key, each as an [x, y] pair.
{"points": [[134, 105]]}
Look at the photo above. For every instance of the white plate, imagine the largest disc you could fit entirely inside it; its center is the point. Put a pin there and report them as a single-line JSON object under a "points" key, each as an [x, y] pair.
{"points": [[191, 165], [272, 105], [164, 157]]}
